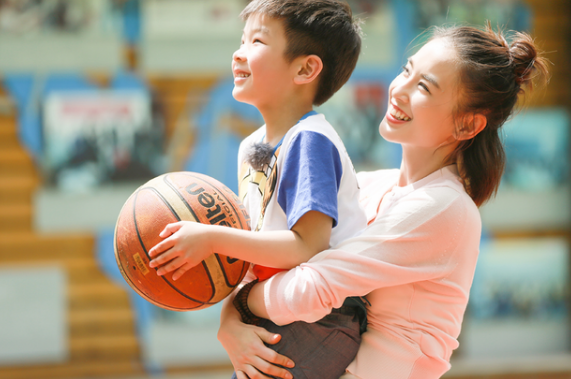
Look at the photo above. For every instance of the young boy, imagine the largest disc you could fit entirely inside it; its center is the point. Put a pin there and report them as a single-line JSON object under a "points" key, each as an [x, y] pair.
{"points": [[296, 179]]}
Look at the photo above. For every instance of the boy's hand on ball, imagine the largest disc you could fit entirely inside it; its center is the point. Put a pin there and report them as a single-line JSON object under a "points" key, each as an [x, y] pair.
{"points": [[185, 245]]}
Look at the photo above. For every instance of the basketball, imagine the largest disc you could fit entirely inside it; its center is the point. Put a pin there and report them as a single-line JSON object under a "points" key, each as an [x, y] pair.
{"points": [[169, 198]]}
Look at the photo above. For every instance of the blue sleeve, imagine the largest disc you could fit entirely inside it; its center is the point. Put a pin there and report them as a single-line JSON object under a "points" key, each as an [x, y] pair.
{"points": [[310, 177]]}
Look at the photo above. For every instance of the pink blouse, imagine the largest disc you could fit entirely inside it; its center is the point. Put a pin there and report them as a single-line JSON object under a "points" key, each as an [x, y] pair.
{"points": [[415, 262]]}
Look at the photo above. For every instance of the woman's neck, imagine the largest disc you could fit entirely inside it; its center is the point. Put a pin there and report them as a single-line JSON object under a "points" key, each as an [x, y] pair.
{"points": [[418, 164]]}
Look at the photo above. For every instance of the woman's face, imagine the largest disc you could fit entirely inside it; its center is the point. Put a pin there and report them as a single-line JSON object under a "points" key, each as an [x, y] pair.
{"points": [[422, 99]]}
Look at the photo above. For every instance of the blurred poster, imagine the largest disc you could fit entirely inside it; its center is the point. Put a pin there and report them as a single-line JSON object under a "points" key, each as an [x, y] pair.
{"points": [[384, 33], [518, 302], [537, 161], [100, 136], [534, 193], [19, 17], [188, 19], [508, 14]]}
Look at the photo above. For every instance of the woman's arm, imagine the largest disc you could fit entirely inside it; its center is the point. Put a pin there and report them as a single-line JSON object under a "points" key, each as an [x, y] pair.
{"points": [[416, 240]]}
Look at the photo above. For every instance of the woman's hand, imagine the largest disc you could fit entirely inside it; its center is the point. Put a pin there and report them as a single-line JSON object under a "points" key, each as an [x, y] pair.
{"points": [[245, 346], [185, 245]]}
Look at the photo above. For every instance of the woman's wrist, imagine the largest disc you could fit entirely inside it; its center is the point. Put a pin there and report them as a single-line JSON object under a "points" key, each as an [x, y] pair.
{"points": [[241, 304], [256, 302]]}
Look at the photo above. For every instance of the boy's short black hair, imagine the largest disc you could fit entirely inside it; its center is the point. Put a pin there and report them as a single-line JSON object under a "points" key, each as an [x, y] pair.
{"points": [[325, 28]]}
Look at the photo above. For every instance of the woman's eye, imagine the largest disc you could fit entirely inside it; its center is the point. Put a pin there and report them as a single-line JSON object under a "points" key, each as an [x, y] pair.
{"points": [[405, 70], [424, 86]]}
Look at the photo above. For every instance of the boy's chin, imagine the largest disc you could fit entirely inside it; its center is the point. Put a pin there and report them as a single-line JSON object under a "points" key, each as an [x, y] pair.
{"points": [[238, 96]]}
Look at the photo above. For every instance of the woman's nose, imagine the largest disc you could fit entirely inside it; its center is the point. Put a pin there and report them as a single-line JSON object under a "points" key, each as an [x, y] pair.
{"points": [[400, 89]]}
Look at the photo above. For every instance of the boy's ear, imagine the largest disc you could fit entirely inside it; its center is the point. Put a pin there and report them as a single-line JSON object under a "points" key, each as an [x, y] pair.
{"points": [[308, 69], [472, 124]]}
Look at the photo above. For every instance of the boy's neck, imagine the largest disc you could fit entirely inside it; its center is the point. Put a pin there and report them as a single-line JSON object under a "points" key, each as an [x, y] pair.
{"points": [[280, 120]]}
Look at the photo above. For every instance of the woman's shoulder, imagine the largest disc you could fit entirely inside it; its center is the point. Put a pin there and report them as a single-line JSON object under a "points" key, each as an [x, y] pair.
{"points": [[441, 195], [444, 203], [367, 178], [447, 186]]}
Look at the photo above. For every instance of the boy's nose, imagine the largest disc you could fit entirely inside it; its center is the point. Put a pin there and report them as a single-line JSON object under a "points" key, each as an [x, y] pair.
{"points": [[239, 55]]}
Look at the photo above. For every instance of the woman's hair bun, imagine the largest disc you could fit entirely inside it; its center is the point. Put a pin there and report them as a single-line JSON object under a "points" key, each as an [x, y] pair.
{"points": [[525, 58]]}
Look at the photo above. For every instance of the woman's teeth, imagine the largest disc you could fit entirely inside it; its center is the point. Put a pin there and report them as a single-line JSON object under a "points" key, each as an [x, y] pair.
{"points": [[399, 115]]}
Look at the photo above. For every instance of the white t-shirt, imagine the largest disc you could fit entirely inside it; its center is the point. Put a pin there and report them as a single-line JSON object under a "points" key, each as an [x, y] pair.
{"points": [[310, 170]]}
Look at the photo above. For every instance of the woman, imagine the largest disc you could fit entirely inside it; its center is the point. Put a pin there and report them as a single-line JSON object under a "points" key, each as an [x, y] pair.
{"points": [[416, 259]]}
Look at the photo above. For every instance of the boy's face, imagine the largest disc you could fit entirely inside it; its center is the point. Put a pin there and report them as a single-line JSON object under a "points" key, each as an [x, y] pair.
{"points": [[262, 75]]}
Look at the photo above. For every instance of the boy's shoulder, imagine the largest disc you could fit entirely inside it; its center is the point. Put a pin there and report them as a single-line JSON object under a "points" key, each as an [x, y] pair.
{"points": [[311, 123], [315, 122]]}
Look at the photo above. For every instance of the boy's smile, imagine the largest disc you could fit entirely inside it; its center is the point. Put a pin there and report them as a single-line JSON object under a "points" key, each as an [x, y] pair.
{"points": [[262, 75]]}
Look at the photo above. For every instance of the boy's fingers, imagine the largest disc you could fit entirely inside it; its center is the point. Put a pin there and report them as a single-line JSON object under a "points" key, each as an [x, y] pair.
{"points": [[171, 266], [161, 247], [162, 259], [180, 272], [169, 229]]}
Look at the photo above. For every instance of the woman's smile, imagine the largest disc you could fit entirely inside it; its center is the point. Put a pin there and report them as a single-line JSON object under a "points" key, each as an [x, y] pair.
{"points": [[396, 115]]}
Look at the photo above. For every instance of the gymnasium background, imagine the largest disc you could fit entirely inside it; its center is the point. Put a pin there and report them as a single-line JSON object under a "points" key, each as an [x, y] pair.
{"points": [[98, 96]]}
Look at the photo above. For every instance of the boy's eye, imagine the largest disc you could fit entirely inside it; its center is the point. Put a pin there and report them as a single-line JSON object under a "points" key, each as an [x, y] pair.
{"points": [[257, 40]]}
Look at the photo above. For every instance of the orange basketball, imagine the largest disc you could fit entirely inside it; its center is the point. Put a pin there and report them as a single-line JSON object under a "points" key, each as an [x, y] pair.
{"points": [[170, 198]]}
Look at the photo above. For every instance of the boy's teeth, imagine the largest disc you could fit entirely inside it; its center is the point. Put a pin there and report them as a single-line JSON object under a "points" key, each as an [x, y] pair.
{"points": [[242, 75]]}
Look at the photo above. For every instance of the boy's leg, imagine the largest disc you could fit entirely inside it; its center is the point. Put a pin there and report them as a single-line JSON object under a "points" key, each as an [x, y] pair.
{"points": [[320, 350]]}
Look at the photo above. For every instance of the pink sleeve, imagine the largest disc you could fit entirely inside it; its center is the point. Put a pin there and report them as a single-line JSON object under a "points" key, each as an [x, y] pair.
{"points": [[414, 240]]}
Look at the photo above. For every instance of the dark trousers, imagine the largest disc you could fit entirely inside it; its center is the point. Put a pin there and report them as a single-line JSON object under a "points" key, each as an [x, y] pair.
{"points": [[323, 349]]}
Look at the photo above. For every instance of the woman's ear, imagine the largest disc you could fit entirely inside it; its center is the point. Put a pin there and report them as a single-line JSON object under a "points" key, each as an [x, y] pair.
{"points": [[308, 69], [472, 124]]}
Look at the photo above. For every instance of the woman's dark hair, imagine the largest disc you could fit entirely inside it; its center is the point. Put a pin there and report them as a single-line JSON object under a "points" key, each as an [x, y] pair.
{"points": [[325, 28], [492, 75]]}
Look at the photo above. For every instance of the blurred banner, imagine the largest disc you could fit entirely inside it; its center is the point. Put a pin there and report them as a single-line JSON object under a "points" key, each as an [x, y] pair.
{"points": [[99, 136], [519, 300]]}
